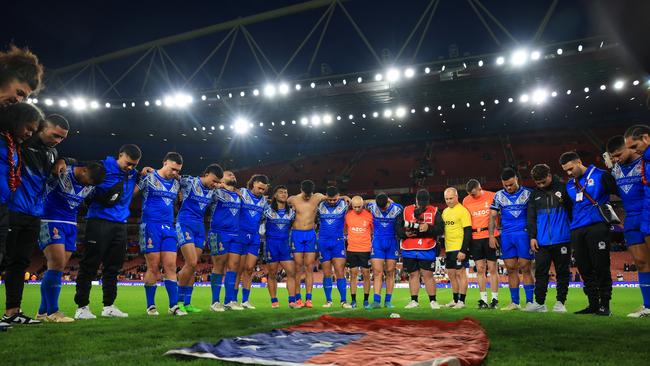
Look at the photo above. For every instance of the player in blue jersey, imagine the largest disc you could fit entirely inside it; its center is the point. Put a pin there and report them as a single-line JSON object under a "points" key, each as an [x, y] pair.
{"points": [[58, 236], [512, 203], [384, 246], [331, 243], [196, 197], [278, 218], [253, 204], [158, 239], [224, 230], [637, 139]]}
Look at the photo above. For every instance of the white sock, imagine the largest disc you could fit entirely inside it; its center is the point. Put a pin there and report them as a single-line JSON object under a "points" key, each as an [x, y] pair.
{"points": [[484, 296], [495, 295]]}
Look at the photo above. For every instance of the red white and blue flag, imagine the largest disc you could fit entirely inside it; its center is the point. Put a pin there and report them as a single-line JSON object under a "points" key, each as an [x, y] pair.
{"points": [[354, 341]]}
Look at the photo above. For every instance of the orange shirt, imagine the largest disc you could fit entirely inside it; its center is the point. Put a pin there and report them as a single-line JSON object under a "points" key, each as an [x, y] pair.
{"points": [[479, 208], [359, 229]]}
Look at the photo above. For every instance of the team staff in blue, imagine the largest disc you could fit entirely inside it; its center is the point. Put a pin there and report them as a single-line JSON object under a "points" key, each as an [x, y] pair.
{"points": [[587, 188], [549, 211], [512, 203], [106, 240], [26, 207], [196, 197]]}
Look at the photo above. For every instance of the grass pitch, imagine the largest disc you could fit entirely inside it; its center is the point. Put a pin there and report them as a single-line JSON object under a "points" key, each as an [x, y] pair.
{"points": [[516, 338]]}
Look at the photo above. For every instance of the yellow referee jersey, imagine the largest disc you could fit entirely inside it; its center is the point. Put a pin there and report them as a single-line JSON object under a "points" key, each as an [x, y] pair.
{"points": [[455, 219]]}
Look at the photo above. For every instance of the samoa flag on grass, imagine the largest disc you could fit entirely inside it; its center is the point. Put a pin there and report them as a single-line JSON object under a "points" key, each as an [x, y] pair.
{"points": [[354, 341]]}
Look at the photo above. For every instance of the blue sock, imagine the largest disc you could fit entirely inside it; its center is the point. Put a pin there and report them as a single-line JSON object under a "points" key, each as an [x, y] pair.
{"points": [[528, 290], [308, 296], [235, 294], [188, 295], [274, 300], [387, 298], [342, 287], [181, 294], [298, 296], [53, 292], [644, 284], [327, 286], [377, 298], [230, 286], [245, 293], [215, 285], [150, 290], [172, 292], [42, 309], [292, 299], [514, 295]]}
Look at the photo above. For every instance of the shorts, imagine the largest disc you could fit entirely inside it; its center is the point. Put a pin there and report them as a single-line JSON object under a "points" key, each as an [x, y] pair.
{"points": [[278, 250], [220, 242], [384, 248], [331, 248], [480, 249], [632, 230], [645, 221], [516, 245], [58, 232], [304, 241], [156, 238], [451, 262], [246, 243], [191, 232], [413, 265], [358, 259]]}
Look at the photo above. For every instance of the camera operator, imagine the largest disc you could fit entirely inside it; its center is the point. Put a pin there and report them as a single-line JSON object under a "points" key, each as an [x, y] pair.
{"points": [[418, 228]]}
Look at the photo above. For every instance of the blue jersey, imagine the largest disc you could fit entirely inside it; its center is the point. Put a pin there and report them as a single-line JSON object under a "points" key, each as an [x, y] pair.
{"points": [[513, 208], [114, 175], [225, 211], [383, 222], [252, 211], [584, 212], [64, 196], [646, 186], [5, 192], [278, 222], [630, 185], [332, 219], [158, 197], [196, 200]]}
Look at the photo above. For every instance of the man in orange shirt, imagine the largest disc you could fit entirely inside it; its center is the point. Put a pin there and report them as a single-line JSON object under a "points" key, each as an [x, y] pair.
{"points": [[478, 203], [358, 227]]}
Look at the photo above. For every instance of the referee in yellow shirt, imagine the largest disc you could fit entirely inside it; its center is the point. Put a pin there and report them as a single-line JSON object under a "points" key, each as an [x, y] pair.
{"points": [[458, 234]]}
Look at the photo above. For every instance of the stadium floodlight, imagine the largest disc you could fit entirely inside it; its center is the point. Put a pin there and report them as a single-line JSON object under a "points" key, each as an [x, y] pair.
{"points": [[510, 100], [412, 110], [63, 103], [464, 65], [315, 120], [212, 128], [375, 114], [619, 84], [388, 113], [540, 96], [500, 60], [350, 116], [202, 128], [603, 87], [467, 104], [256, 92], [123, 105], [426, 109], [293, 121], [535, 55], [241, 126], [519, 57], [439, 107], [298, 87], [304, 121], [169, 101], [400, 112], [409, 73], [338, 118], [269, 90], [242, 93], [35, 100], [195, 129], [203, 97], [359, 80], [94, 104], [554, 94], [262, 124], [427, 70], [133, 104], [79, 104], [345, 82], [559, 51], [379, 77], [48, 102], [312, 85], [496, 101], [221, 127], [482, 103], [182, 100], [146, 103], [230, 95], [107, 105], [363, 115], [453, 106], [635, 83], [524, 98], [218, 96], [568, 92], [392, 75], [158, 102], [443, 68], [480, 63], [579, 48], [284, 89], [327, 119], [586, 89]]}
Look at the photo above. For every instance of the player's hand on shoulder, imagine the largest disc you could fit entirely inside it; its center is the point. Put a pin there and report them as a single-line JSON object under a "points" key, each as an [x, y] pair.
{"points": [[59, 167], [146, 170]]}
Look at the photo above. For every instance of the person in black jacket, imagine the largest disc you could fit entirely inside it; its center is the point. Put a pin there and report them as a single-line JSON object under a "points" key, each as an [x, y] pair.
{"points": [[549, 211]]}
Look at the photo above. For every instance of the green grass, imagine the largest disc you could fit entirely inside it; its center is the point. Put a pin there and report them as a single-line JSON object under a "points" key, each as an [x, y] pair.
{"points": [[516, 338]]}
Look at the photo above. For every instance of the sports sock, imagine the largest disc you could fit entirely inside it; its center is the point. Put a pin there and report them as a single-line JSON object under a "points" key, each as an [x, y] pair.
{"points": [[387, 298], [172, 292], [52, 290], [327, 287], [245, 294], [215, 285], [181, 294], [298, 296], [455, 296], [432, 298], [644, 285], [354, 297], [495, 295], [274, 300], [292, 299], [150, 291], [365, 297], [376, 298], [188, 294], [528, 290], [414, 297], [342, 287], [308, 296], [461, 297], [484, 296], [42, 309], [514, 295], [229, 282]]}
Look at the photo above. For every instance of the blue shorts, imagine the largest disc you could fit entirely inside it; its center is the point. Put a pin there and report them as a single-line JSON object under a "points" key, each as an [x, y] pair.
{"points": [[57, 232], [632, 230], [191, 232], [304, 241], [220, 242], [645, 222], [246, 243], [331, 248], [515, 245], [278, 250], [384, 248], [156, 238]]}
